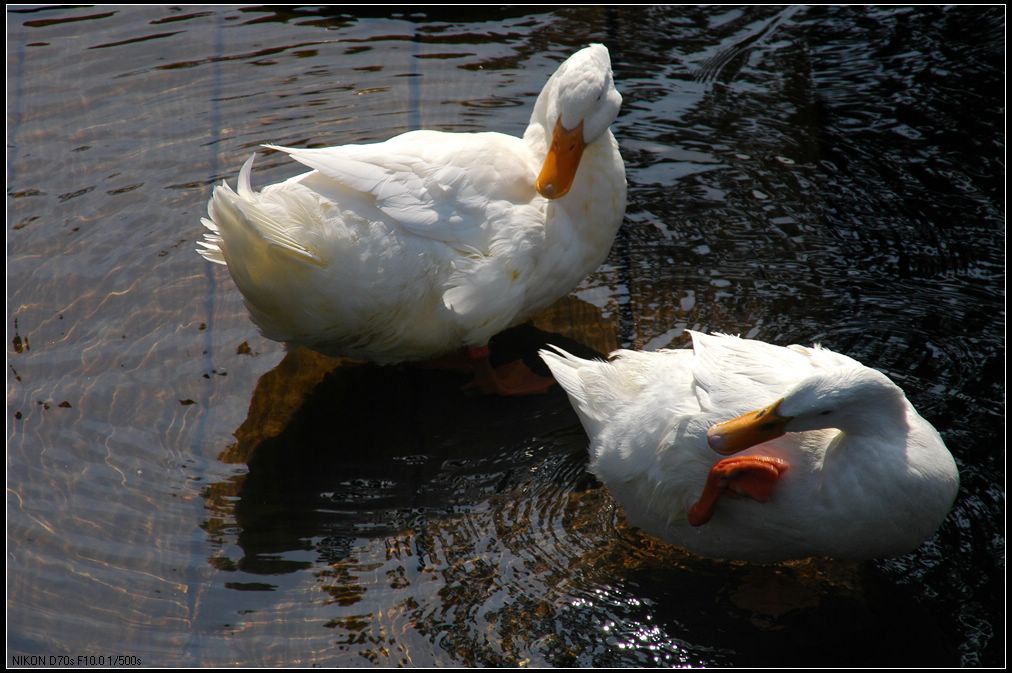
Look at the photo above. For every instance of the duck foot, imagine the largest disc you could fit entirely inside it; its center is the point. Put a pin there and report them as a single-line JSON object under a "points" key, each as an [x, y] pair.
{"points": [[512, 378], [753, 476]]}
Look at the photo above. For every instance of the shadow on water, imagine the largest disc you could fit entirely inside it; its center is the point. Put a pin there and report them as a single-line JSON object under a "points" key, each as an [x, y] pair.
{"points": [[467, 526], [412, 437]]}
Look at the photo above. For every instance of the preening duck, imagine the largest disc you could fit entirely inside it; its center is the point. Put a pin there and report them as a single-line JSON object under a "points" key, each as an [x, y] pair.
{"points": [[428, 242], [827, 457]]}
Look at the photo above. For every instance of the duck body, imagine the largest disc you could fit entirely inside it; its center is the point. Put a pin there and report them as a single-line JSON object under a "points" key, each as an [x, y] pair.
{"points": [[852, 471], [413, 247]]}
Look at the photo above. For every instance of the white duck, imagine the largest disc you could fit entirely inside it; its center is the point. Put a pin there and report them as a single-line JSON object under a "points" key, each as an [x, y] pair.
{"points": [[836, 462], [414, 247]]}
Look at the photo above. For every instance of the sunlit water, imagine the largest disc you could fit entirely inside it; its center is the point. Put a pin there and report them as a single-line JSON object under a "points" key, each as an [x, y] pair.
{"points": [[182, 492]]}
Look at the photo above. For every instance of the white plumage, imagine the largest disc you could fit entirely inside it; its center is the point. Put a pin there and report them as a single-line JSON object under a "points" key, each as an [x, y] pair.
{"points": [[858, 474], [413, 247]]}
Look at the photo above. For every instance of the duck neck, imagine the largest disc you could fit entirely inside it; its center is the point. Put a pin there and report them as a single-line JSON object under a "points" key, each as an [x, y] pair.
{"points": [[538, 134], [887, 419], [876, 441], [538, 137], [596, 201], [579, 228]]}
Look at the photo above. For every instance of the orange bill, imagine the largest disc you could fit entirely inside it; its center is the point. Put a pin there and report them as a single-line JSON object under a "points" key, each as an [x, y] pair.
{"points": [[751, 476], [747, 430], [559, 169]]}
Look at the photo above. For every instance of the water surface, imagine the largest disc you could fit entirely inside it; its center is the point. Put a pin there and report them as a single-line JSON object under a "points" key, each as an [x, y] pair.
{"points": [[184, 491]]}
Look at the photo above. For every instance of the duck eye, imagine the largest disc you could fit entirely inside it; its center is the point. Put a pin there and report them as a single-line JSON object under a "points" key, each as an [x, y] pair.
{"points": [[827, 412]]}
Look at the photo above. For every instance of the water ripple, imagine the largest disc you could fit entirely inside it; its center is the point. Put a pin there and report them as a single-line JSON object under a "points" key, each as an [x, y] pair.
{"points": [[795, 175]]}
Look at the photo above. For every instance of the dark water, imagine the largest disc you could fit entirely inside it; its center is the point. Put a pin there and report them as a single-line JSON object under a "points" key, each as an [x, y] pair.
{"points": [[182, 491]]}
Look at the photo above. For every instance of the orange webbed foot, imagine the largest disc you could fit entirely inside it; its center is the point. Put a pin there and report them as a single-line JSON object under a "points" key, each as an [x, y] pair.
{"points": [[512, 378], [753, 476]]}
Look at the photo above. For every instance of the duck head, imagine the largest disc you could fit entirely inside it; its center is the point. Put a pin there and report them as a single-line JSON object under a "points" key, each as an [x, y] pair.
{"points": [[850, 399], [575, 109]]}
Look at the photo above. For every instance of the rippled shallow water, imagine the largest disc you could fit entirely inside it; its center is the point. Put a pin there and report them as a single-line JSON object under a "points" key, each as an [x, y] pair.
{"points": [[183, 491]]}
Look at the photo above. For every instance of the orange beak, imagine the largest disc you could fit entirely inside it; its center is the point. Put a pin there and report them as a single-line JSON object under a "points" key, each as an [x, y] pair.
{"points": [[747, 430], [563, 159]]}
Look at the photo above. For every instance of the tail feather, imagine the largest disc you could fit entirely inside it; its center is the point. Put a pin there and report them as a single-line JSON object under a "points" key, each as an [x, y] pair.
{"points": [[580, 379], [211, 245], [602, 391], [244, 184], [238, 219]]}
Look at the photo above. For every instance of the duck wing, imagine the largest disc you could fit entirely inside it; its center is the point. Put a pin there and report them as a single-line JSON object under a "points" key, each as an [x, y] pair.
{"points": [[734, 375], [440, 186], [472, 192]]}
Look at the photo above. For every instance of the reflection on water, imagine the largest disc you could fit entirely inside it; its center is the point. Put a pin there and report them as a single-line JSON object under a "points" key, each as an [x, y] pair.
{"points": [[392, 488], [182, 488]]}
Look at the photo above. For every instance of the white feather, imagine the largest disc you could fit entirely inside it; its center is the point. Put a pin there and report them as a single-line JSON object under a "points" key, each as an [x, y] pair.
{"points": [[870, 478], [415, 246]]}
